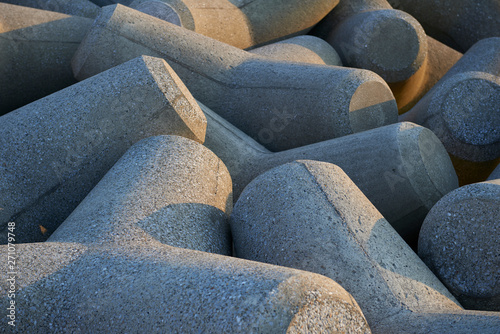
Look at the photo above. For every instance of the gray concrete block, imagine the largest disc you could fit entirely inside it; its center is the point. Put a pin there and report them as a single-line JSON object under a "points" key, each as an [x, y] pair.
{"points": [[312, 103], [83, 8], [460, 242], [36, 48], [55, 150], [370, 34], [402, 168], [460, 24], [440, 59], [242, 24], [462, 109], [309, 215], [161, 289], [305, 49], [166, 189]]}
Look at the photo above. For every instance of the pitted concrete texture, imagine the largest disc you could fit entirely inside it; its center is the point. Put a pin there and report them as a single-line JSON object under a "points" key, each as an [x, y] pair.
{"points": [[370, 34], [157, 288], [55, 150], [457, 23], [241, 23], [281, 104], [440, 58], [309, 215], [84, 8], [36, 47], [460, 241], [167, 188], [304, 49], [493, 176], [402, 168], [462, 108]]}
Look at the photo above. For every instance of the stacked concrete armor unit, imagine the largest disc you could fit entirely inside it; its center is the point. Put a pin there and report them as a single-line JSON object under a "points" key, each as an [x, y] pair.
{"points": [[36, 48], [458, 23], [241, 23], [460, 241], [117, 192], [309, 215], [370, 34], [283, 105], [463, 110], [56, 149], [402, 168], [113, 257]]}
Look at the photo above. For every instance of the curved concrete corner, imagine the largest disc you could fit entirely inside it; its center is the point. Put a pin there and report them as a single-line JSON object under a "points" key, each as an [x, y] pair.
{"points": [[309, 215], [459, 241], [167, 189], [281, 104], [73, 288], [55, 150]]}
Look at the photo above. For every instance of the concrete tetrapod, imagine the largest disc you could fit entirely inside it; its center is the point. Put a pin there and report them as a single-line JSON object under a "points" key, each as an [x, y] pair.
{"points": [[36, 48], [310, 215], [55, 150], [305, 49], [462, 109], [168, 189], [155, 288], [370, 34], [402, 168], [83, 8], [460, 242], [440, 58], [240, 23], [316, 102], [458, 23]]}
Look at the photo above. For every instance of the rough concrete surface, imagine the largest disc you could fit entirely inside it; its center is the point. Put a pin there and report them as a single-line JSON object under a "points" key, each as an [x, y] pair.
{"points": [[55, 150], [462, 109], [370, 34], [83, 8], [281, 104], [458, 23], [136, 288], [305, 49], [309, 215], [402, 168], [460, 241], [241, 23], [166, 188], [36, 47]]}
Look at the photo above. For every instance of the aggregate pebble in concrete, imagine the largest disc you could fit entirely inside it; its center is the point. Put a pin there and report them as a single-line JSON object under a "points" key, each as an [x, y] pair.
{"points": [[72, 288], [458, 23], [309, 215], [36, 47], [281, 104], [370, 34], [242, 23], [402, 168], [460, 242], [83, 8], [305, 49], [55, 150], [166, 188]]}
